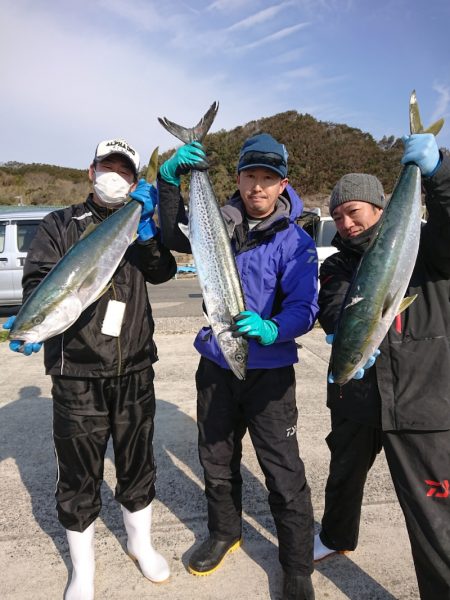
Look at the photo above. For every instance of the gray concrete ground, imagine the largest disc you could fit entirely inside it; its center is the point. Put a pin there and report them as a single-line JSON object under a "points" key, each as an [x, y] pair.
{"points": [[34, 561]]}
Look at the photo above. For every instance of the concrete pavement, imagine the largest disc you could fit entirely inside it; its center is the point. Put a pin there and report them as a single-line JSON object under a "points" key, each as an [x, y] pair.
{"points": [[34, 560]]}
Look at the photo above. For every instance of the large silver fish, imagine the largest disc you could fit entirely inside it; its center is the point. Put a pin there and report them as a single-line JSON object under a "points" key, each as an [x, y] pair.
{"points": [[213, 255], [79, 278], [376, 294]]}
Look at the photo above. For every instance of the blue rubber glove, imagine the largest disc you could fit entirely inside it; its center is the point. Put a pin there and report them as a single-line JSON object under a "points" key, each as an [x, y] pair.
{"points": [[190, 156], [146, 194], [250, 325], [422, 149], [18, 345], [360, 372]]}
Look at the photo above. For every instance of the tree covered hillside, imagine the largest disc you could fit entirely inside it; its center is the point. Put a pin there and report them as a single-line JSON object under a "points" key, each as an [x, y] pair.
{"points": [[319, 154]]}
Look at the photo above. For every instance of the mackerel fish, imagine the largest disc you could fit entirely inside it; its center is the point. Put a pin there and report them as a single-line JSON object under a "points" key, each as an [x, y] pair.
{"points": [[81, 276], [211, 248], [376, 294]]}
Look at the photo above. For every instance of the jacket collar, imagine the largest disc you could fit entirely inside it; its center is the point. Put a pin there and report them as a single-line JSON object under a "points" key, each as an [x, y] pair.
{"points": [[234, 212], [358, 244]]}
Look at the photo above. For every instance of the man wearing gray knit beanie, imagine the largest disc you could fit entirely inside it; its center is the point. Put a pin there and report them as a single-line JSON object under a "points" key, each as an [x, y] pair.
{"points": [[399, 401], [356, 203]]}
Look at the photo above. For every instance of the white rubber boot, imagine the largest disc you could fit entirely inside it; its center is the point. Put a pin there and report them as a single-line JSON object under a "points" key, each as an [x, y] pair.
{"points": [[138, 525], [81, 546]]}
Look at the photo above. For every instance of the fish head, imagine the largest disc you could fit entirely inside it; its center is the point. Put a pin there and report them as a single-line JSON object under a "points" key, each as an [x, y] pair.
{"points": [[37, 324], [355, 341], [343, 366], [235, 352]]}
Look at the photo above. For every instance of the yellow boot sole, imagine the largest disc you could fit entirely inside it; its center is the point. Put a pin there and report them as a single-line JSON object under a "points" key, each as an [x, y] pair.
{"points": [[234, 547]]}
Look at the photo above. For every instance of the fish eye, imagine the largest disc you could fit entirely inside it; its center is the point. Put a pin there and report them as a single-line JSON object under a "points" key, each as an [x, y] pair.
{"points": [[38, 319], [239, 358]]}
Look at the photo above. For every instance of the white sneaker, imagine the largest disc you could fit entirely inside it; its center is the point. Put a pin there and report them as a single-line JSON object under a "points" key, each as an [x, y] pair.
{"points": [[321, 551]]}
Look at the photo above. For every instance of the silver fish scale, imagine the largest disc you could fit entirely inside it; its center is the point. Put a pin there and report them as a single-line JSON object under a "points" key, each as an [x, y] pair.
{"points": [[216, 267], [374, 298], [78, 278]]}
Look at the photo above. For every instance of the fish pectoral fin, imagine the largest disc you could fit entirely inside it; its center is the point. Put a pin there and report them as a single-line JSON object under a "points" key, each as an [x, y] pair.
{"points": [[230, 228], [435, 128], [353, 301], [406, 302], [224, 331], [184, 228], [101, 292], [90, 280], [4, 335], [89, 229]]}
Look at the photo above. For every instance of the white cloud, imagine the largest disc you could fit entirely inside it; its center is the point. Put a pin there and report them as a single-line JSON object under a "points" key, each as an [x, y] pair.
{"points": [[278, 35], [443, 101], [227, 5], [289, 56], [301, 73], [81, 86], [76, 72], [260, 17], [150, 15]]}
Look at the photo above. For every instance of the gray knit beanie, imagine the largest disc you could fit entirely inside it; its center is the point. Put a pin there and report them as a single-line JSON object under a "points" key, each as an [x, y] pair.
{"points": [[357, 186]]}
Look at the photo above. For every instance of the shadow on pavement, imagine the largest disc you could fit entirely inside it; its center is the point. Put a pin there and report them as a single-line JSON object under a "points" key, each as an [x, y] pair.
{"points": [[26, 437], [180, 489], [351, 579]]}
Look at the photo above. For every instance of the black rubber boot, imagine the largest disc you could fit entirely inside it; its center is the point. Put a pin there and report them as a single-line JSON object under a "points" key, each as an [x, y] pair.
{"points": [[298, 587], [208, 557]]}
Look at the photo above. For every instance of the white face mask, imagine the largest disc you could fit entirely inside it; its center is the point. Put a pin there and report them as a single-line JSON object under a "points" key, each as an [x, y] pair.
{"points": [[111, 188]]}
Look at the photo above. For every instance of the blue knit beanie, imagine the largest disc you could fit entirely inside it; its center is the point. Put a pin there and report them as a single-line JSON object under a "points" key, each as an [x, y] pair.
{"points": [[263, 150]]}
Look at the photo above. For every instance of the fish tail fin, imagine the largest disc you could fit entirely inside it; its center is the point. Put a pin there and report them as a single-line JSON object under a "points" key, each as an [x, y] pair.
{"points": [[191, 134], [435, 128], [152, 169], [415, 122], [4, 335]]}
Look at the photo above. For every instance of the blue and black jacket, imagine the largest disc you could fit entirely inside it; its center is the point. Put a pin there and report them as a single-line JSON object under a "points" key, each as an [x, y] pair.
{"points": [[277, 263]]}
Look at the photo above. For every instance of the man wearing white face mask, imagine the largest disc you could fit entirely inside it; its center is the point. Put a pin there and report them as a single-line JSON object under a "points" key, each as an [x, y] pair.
{"points": [[113, 172], [101, 370]]}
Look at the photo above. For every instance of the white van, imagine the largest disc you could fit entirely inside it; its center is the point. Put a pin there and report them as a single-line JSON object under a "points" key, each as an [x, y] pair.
{"points": [[322, 230], [17, 228], [325, 232]]}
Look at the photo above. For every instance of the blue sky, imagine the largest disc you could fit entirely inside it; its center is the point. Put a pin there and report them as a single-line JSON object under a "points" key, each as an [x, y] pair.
{"points": [[74, 73]]}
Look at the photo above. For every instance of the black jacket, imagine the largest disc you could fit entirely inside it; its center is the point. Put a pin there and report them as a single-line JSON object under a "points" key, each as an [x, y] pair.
{"points": [[82, 350], [409, 386]]}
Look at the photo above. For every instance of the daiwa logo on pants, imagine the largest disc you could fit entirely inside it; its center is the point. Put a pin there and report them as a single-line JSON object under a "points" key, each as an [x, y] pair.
{"points": [[291, 430], [438, 489]]}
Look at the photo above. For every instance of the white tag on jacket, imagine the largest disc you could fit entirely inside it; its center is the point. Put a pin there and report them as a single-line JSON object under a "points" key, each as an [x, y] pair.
{"points": [[112, 323]]}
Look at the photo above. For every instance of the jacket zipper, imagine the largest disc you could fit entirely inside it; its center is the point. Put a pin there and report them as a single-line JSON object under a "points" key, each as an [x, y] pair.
{"points": [[119, 349]]}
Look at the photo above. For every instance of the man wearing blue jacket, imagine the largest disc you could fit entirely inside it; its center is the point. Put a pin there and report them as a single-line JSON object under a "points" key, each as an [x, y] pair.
{"points": [[277, 263]]}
